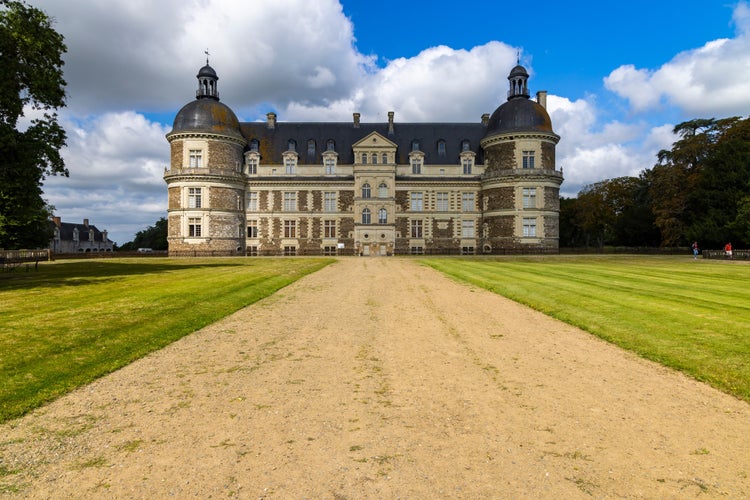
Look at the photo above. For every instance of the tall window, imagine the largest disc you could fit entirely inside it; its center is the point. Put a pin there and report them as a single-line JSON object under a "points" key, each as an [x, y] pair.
{"points": [[252, 165], [467, 228], [329, 228], [330, 164], [290, 229], [416, 165], [329, 201], [467, 202], [290, 201], [383, 190], [529, 197], [416, 202], [310, 147], [291, 145], [194, 197], [528, 159], [442, 202], [529, 226], [252, 200], [252, 229], [364, 158], [385, 158], [416, 229], [366, 216], [441, 148], [382, 216], [194, 227], [366, 190], [290, 164], [467, 163], [196, 158], [374, 158]]}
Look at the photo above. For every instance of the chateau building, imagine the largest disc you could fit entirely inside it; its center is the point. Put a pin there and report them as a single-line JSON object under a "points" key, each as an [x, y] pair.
{"points": [[69, 237], [356, 188]]}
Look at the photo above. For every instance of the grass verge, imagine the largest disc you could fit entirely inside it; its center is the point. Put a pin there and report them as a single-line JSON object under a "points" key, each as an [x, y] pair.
{"points": [[71, 322], [691, 315]]}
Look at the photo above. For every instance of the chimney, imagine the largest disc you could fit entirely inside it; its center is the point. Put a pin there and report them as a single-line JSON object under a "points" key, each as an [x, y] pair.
{"points": [[85, 223], [541, 98], [390, 122], [57, 221], [485, 119], [271, 120], [356, 120]]}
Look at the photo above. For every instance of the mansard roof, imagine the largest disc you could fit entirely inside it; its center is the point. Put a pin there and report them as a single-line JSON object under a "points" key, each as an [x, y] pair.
{"points": [[273, 142]]}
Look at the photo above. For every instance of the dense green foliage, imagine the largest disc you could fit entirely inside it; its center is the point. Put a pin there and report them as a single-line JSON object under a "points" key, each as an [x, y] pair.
{"points": [[697, 191], [100, 315], [692, 315], [154, 237], [31, 57]]}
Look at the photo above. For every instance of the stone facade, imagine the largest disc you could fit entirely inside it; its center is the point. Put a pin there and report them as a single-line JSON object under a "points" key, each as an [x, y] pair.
{"points": [[278, 188]]}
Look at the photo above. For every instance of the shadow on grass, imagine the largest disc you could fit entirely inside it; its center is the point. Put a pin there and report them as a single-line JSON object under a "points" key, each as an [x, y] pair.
{"points": [[87, 272]]}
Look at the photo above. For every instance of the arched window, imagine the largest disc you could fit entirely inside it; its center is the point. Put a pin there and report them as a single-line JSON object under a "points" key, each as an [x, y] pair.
{"points": [[441, 147], [365, 190], [382, 190], [382, 216], [385, 158], [374, 158], [366, 216], [364, 158], [330, 145], [291, 145]]}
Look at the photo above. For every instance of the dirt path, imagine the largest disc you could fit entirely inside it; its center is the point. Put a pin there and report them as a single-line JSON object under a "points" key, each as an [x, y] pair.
{"points": [[377, 378]]}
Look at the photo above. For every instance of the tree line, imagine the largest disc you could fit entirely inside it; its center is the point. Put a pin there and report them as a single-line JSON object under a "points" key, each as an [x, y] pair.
{"points": [[697, 191]]}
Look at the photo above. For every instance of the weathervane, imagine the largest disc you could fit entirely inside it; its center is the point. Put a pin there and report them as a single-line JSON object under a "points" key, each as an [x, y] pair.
{"points": [[206, 52]]}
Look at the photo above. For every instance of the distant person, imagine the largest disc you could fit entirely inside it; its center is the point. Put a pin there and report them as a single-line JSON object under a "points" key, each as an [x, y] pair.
{"points": [[696, 250], [728, 250]]}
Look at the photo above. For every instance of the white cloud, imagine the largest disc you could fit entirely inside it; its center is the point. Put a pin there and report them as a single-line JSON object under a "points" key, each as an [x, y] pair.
{"points": [[713, 80]]}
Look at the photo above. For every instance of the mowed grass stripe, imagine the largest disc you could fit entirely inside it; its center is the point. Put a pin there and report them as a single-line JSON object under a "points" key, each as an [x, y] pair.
{"points": [[74, 321], [692, 316]]}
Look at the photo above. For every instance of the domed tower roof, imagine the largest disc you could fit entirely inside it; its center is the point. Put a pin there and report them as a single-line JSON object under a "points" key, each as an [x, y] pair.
{"points": [[519, 113], [206, 114]]}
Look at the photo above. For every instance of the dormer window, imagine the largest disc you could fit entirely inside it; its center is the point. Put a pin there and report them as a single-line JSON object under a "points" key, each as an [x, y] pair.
{"points": [[252, 160], [311, 148], [467, 162], [291, 145], [329, 161], [441, 148], [254, 145], [290, 162], [416, 160], [330, 145], [415, 145], [465, 145]]}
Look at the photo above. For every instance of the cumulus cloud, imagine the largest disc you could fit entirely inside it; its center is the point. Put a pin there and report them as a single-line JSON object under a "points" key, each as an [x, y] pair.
{"points": [[712, 80]]}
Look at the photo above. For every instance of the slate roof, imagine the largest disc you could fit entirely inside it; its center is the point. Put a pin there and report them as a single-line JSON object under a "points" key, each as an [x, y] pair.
{"points": [[66, 231], [273, 142]]}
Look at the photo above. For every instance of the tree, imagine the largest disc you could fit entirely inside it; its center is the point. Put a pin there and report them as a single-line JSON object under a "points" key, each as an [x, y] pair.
{"points": [[31, 54], [154, 237]]}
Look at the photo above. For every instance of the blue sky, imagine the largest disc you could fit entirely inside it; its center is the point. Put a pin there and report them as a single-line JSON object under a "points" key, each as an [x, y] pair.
{"points": [[620, 75]]}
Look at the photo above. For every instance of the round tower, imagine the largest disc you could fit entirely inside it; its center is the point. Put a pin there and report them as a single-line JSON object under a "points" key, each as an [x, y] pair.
{"points": [[205, 182], [520, 186]]}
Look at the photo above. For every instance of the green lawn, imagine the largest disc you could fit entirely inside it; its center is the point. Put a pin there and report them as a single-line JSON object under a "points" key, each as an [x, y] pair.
{"points": [[73, 321], [692, 315]]}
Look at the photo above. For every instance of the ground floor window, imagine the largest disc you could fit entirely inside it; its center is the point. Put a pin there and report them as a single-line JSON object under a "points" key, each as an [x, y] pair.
{"points": [[329, 229], [194, 227], [290, 229], [252, 251], [416, 229], [416, 250], [329, 250], [529, 226], [290, 251], [467, 250]]}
